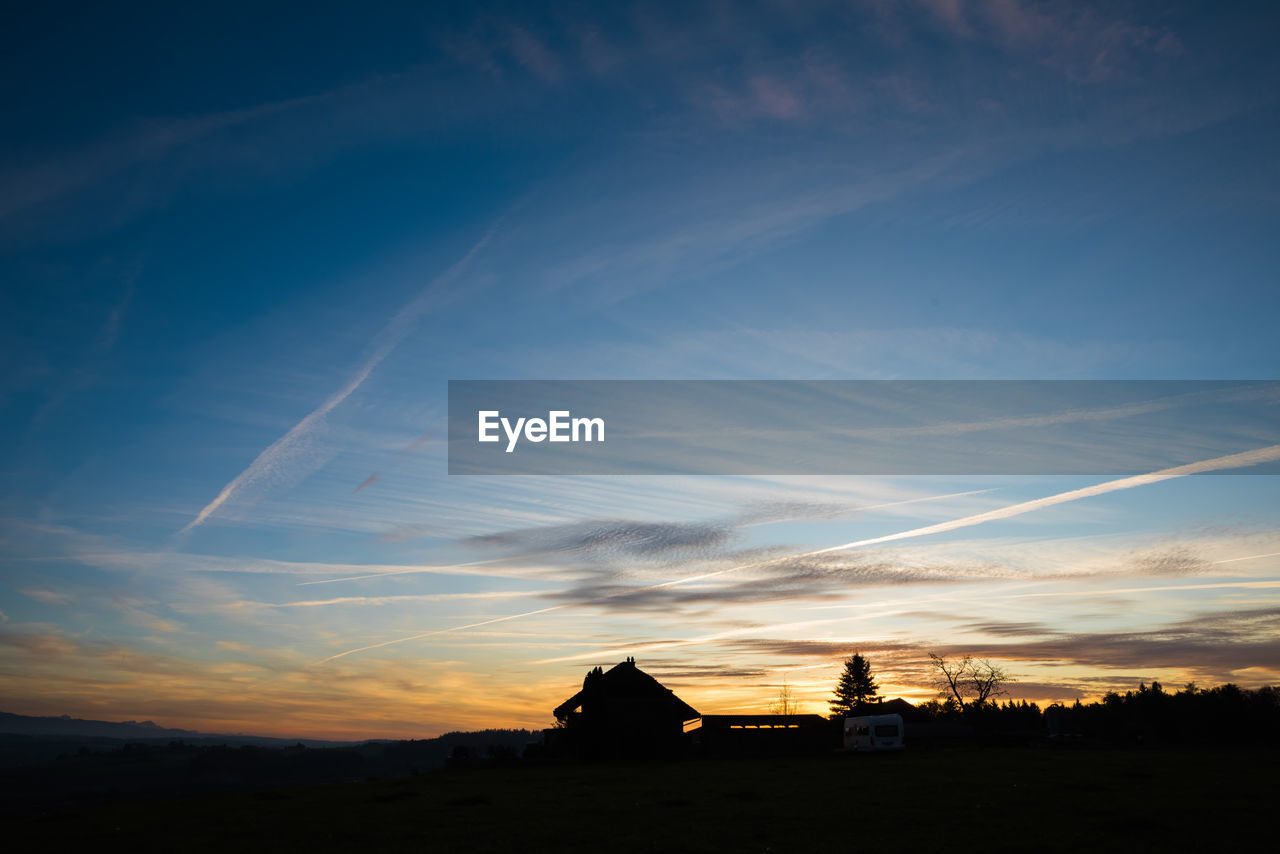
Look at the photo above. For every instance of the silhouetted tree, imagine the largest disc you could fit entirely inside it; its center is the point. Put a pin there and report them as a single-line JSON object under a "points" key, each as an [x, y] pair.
{"points": [[856, 686], [987, 680], [949, 677], [967, 678], [786, 703], [1224, 714]]}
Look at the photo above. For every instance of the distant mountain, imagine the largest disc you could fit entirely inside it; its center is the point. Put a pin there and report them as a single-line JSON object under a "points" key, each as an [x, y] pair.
{"points": [[55, 764], [65, 726]]}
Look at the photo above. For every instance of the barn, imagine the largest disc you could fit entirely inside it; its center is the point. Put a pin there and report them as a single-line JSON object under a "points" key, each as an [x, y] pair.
{"points": [[622, 711]]}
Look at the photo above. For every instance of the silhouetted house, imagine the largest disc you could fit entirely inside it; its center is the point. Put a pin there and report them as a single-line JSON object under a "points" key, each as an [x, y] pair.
{"points": [[622, 712]]}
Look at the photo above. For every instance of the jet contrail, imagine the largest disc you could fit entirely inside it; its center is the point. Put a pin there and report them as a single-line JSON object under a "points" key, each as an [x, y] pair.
{"points": [[1246, 557], [567, 605], [444, 631], [384, 600], [1069, 416], [880, 609], [1231, 461], [387, 339], [1247, 585], [435, 569], [453, 568], [884, 611], [864, 507]]}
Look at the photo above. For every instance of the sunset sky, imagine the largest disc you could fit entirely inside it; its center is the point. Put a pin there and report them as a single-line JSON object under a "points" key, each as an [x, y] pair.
{"points": [[243, 251]]}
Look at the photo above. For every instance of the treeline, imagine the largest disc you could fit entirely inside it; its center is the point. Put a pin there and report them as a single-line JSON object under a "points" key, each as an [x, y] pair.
{"points": [[1222, 715]]}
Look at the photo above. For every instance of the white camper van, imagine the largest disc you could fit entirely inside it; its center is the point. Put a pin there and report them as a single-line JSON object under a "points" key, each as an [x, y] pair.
{"points": [[873, 732]]}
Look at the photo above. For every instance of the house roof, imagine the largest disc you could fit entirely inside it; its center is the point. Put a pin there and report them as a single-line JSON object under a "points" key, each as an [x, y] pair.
{"points": [[626, 683]]}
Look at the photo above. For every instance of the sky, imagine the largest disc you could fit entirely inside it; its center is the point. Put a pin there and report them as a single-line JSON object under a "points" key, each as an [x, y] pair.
{"points": [[244, 250]]}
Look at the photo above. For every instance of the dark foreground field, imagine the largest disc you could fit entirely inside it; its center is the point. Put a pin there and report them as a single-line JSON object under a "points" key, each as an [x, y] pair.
{"points": [[966, 800]]}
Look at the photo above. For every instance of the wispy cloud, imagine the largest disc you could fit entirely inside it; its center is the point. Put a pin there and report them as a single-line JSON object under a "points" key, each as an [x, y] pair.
{"points": [[1079, 42], [531, 53], [1213, 646], [70, 172], [170, 562], [85, 374], [1230, 461], [393, 600], [605, 544], [48, 597], [423, 635], [497, 567], [611, 539], [815, 579], [286, 449], [1216, 644], [1248, 458], [1077, 594]]}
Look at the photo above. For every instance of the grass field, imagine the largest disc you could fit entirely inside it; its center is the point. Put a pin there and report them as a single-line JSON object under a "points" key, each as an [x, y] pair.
{"points": [[963, 799]]}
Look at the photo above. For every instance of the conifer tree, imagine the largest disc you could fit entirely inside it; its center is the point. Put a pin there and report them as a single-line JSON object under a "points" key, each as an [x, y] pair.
{"points": [[856, 686]]}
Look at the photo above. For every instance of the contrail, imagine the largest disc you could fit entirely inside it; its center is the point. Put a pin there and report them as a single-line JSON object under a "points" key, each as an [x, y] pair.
{"points": [[437, 569], [445, 631], [452, 568], [1069, 416], [566, 605], [865, 507], [884, 610], [384, 600], [387, 339], [881, 609], [1231, 461], [1247, 585], [1246, 557]]}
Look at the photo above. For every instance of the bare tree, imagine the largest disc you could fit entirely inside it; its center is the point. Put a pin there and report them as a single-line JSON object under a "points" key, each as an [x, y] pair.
{"points": [[987, 680], [970, 683], [786, 703], [949, 676]]}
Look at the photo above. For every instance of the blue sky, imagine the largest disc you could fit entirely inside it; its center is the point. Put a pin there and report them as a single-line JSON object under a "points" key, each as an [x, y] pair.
{"points": [[244, 250]]}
